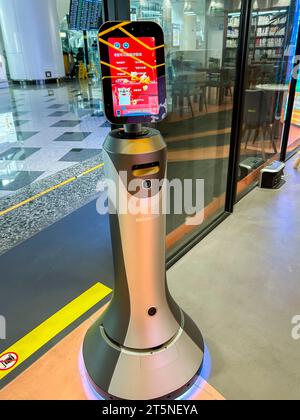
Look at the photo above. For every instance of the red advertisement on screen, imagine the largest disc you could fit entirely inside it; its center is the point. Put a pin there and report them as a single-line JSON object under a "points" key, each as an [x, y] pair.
{"points": [[134, 76]]}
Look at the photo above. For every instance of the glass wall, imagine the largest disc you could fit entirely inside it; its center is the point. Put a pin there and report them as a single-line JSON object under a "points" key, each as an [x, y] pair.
{"points": [[272, 39], [294, 138], [72, 41], [201, 65], [294, 135]]}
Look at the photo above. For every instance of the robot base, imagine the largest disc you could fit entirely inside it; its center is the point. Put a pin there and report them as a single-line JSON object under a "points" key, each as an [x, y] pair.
{"points": [[173, 396], [119, 373], [143, 347]]}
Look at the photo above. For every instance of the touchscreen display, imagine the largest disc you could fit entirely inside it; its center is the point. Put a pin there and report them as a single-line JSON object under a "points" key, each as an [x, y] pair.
{"points": [[133, 73]]}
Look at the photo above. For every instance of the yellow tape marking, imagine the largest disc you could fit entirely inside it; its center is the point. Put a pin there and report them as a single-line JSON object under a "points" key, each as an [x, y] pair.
{"points": [[141, 42], [37, 338], [114, 28], [92, 169], [121, 27], [48, 190]]}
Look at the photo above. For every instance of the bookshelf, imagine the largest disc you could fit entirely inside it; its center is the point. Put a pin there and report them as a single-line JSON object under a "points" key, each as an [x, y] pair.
{"points": [[267, 38]]}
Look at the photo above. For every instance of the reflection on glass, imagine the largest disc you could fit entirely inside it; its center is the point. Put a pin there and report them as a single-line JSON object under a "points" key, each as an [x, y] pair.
{"points": [[8, 132], [294, 138], [270, 54], [201, 68], [9, 168], [72, 41]]}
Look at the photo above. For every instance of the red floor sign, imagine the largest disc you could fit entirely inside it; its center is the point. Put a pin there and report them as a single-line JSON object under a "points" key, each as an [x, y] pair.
{"points": [[8, 361]]}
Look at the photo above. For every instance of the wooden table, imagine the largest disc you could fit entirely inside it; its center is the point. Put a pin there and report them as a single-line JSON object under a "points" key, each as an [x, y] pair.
{"points": [[272, 87], [192, 77]]}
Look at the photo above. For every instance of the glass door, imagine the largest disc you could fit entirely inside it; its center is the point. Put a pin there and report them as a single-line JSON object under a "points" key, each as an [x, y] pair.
{"points": [[201, 51], [294, 133], [271, 48]]}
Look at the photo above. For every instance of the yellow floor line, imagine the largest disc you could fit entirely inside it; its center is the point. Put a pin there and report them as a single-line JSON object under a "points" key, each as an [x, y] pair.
{"points": [[91, 170], [37, 338], [48, 190]]}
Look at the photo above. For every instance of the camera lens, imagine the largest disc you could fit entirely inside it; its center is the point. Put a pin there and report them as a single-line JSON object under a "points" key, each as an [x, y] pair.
{"points": [[147, 184], [152, 311]]}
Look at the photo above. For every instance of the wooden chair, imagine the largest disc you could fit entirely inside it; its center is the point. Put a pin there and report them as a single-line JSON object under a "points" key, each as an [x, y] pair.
{"points": [[258, 118], [188, 87]]}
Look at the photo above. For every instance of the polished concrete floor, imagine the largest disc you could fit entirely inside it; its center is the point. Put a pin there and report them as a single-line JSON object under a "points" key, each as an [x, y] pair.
{"points": [[242, 286]]}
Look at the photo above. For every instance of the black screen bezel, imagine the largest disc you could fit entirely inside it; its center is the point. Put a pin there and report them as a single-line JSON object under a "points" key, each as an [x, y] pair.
{"points": [[138, 29]]}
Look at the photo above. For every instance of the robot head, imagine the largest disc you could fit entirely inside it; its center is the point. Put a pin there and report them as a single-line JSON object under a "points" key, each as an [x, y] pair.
{"points": [[133, 72]]}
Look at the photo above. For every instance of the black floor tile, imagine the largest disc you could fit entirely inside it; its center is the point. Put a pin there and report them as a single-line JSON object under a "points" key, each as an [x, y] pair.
{"points": [[69, 136], [25, 135], [18, 153], [80, 155], [18, 123], [17, 180], [55, 106], [66, 123], [106, 124], [58, 114]]}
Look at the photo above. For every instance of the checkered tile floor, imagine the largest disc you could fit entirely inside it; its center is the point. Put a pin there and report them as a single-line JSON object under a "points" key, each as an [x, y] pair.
{"points": [[43, 131]]}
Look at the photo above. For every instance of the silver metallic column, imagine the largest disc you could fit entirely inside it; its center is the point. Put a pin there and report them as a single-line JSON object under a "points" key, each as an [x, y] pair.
{"points": [[144, 346]]}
